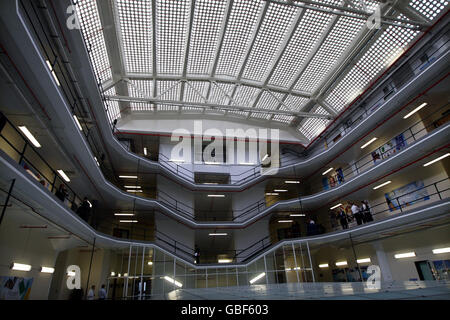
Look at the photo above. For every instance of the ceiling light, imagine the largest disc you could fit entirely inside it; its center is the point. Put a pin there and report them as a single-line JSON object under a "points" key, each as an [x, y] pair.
{"points": [[272, 194], [176, 160], [113, 273], [77, 122], [124, 214], [292, 181], [441, 250], [367, 143], [47, 270], [280, 190], [218, 234], [128, 221], [90, 204], [265, 157], [415, 110], [324, 173], [405, 255], [210, 183], [150, 263], [382, 185], [63, 175], [137, 190], [259, 276], [145, 151], [53, 72], [30, 137], [216, 196], [178, 284], [341, 263], [297, 215], [336, 206], [20, 267], [365, 260], [132, 187], [436, 160], [98, 163], [225, 261], [323, 265], [128, 177], [285, 221], [288, 269]]}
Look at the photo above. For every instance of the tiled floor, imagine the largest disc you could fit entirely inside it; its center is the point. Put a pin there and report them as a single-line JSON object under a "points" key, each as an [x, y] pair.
{"points": [[297, 291]]}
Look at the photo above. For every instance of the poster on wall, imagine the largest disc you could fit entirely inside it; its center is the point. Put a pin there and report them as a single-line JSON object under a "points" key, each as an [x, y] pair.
{"points": [[333, 180], [406, 195], [392, 147], [15, 288], [35, 174]]}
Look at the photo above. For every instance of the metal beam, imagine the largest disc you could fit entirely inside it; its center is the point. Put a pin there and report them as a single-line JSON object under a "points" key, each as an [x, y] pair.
{"points": [[216, 106], [221, 37]]}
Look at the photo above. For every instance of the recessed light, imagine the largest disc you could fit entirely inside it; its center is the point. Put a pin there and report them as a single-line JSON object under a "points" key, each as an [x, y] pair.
{"points": [[272, 194], [382, 185], [292, 181], [297, 215], [436, 160], [150, 263], [325, 172], [280, 190], [134, 190], [20, 267], [132, 187], [441, 250], [77, 122], [265, 157], [98, 163], [124, 214], [47, 270], [415, 110], [336, 206], [405, 255], [49, 65], [216, 196], [369, 142], [145, 151], [341, 263], [30, 137], [323, 265], [128, 177], [128, 221], [259, 276], [364, 260], [63, 175], [224, 261], [285, 221], [218, 234]]}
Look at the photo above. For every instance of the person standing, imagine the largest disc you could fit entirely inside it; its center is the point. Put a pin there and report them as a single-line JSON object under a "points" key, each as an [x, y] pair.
{"points": [[366, 211], [197, 254], [343, 219], [356, 213], [102, 293], [91, 293]]}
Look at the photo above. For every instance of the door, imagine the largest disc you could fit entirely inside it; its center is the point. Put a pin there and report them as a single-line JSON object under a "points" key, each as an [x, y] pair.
{"points": [[424, 271]]}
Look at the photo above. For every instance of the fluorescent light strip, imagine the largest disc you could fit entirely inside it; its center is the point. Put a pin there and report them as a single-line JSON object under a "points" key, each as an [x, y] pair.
{"points": [[150, 263], [145, 151], [113, 273], [132, 187], [216, 196], [415, 110], [20, 267], [382, 185], [436, 160], [297, 215], [369, 142], [135, 190], [272, 194], [292, 181], [124, 214], [178, 284], [341, 263], [218, 234], [364, 260], [224, 261], [336, 206], [90, 204], [77, 122], [265, 157], [210, 183], [47, 270], [285, 221], [30, 137], [323, 265], [128, 221], [280, 190], [441, 250], [49, 65], [325, 172], [259, 276], [405, 255], [128, 177], [63, 175], [98, 163]]}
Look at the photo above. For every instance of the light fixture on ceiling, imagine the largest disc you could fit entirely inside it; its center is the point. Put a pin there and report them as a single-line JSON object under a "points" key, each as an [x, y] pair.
{"points": [[128, 221], [272, 194], [77, 122], [132, 187], [150, 263], [436, 160], [297, 215], [49, 65], [63, 175], [323, 265], [113, 273], [96, 161], [325, 172], [145, 151], [224, 261], [176, 160], [265, 157], [285, 221], [415, 110], [30, 137], [134, 190], [280, 190], [292, 181], [405, 255], [90, 204], [341, 263], [128, 177], [216, 196], [364, 260], [218, 234], [382, 185], [124, 214], [441, 250], [367, 143], [47, 270], [178, 284], [336, 206], [259, 276], [20, 266]]}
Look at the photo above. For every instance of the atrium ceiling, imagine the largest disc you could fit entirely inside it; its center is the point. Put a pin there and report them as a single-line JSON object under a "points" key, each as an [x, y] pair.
{"points": [[297, 64]]}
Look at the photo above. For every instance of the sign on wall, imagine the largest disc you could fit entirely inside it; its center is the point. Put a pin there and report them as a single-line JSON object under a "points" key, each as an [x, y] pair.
{"points": [[15, 288]]}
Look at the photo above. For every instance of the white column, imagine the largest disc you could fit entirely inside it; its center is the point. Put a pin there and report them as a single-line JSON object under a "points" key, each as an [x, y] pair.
{"points": [[386, 274]]}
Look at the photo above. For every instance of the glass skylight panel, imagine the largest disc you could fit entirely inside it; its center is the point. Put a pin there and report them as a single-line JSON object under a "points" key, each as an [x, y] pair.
{"points": [[267, 101], [172, 26], [295, 103], [170, 90], [195, 91], [217, 96], [303, 40], [141, 106], [429, 8], [275, 25], [244, 96], [92, 31], [242, 21], [135, 19], [386, 49], [113, 110], [206, 26], [140, 88], [340, 37], [312, 127], [283, 118]]}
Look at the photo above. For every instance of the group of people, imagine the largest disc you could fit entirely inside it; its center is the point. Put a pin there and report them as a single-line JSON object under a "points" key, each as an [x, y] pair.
{"points": [[84, 210], [360, 214], [77, 294]]}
